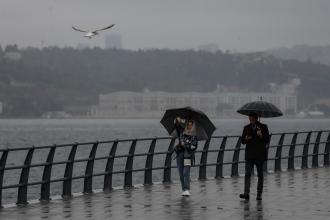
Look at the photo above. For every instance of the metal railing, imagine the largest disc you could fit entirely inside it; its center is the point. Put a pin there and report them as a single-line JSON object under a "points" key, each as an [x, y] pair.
{"points": [[219, 151]]}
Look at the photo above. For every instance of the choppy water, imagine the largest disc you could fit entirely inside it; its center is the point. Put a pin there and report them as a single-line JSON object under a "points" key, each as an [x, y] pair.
{"points": [[24, 133]]}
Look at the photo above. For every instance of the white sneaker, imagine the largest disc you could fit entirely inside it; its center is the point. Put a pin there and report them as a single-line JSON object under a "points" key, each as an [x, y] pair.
{"points": [[186, 193]]}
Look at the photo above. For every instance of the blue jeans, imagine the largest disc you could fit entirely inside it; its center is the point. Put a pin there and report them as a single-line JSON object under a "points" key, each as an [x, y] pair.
{"points": [[184, 172]]}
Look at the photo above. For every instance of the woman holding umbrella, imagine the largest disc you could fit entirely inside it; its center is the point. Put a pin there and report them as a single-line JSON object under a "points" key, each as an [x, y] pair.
{"points": [[185, 151], [197, 127]]}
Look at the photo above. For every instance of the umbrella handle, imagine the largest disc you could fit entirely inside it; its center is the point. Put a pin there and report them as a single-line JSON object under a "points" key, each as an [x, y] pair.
{"points": [[178, 134]]}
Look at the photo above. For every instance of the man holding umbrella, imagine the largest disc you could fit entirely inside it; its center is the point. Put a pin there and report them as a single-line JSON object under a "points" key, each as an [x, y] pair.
{"points": [[256, 137]]}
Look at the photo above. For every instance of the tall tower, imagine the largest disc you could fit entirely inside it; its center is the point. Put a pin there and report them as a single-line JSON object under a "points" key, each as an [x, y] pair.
{"points": [[113, 41]]}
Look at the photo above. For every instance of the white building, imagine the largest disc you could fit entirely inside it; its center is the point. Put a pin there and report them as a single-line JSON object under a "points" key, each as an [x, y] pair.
{"points": [[153, 104]]}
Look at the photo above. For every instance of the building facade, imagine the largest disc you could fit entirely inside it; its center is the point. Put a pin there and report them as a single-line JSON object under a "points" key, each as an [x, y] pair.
{"points": [[153, 104]]}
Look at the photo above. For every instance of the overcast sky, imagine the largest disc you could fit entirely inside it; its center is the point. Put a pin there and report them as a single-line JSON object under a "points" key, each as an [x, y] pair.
{"points": [[232, 24]]}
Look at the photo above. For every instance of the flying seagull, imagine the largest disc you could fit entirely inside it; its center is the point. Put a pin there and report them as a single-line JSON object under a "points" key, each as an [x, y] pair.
{"points": [[93, 33]]}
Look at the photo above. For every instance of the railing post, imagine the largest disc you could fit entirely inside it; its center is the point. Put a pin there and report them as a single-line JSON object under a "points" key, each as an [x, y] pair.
{"points": [[2, 171], [22, 189], [291, 152], [326, 152], [304, 158], [267, 152], [148, 167], [45, 186], [315, 160], [234, 166], [67, 183], [168, 162], [219, 166], [129, 166], [109, 167], [278, 155], [88, 180], [203, 162]]}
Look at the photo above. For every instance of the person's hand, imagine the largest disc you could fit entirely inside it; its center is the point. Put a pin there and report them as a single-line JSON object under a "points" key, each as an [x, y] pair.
{"points": [[247, 137], [259, 132]]}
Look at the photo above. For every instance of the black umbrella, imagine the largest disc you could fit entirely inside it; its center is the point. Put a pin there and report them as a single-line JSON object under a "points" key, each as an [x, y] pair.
{"points": [[261, 108], [204, 126]]}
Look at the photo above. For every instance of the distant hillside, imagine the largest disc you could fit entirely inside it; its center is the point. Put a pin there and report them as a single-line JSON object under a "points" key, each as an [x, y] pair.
{"points": [[303, 53], [33, 81]]}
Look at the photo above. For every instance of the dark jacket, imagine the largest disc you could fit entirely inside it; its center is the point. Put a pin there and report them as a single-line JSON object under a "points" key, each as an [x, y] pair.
{"points": [[187, 144], [190, 145], [256, 147]]}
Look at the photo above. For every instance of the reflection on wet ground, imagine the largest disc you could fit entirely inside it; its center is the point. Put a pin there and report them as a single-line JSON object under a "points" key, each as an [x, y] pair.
{"points": [[303, 194]]}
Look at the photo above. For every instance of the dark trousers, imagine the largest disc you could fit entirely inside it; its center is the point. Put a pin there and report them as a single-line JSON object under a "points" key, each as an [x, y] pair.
{"points": [[248, 171]]}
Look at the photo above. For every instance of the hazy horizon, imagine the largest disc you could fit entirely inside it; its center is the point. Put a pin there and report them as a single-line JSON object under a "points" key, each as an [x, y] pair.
{"points": [[231, 24]]}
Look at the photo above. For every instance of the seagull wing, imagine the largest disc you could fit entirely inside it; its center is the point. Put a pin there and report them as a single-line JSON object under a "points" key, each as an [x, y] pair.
{"points": [[77, 29], [102, 29]]}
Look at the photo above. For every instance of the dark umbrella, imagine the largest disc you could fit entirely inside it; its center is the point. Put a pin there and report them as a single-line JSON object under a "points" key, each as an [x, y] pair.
{"points": [[204, 126], [261, 108]]}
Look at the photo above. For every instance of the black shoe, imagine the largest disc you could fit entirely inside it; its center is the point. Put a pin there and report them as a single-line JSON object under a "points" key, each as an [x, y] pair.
{"points": [[259, 197], [244, 196]]}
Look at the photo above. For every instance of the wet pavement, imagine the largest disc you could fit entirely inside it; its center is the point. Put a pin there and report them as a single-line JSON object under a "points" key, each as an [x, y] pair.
{"points": [[303, 194]]}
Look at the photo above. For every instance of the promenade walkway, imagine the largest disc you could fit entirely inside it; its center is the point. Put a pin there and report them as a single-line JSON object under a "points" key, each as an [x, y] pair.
{"points": [[302, 194]]}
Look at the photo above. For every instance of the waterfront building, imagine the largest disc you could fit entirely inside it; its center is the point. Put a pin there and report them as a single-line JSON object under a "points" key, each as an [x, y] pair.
{"points": [[125, 104]]}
